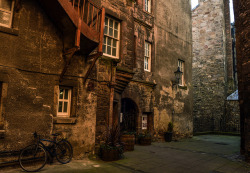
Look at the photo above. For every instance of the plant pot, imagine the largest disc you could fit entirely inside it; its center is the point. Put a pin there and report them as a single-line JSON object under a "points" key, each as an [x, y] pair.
{"points": [[128, 142], [168, 136], [110, 154], [145, 140]]}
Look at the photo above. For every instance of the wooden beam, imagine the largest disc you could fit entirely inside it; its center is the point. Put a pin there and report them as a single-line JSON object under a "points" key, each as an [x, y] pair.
{"points": [[101, 30], [94, 57], [73, 50]]}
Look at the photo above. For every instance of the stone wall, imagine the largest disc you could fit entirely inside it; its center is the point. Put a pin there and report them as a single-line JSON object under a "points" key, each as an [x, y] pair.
{"points": [[232, 117], [173, 42], [31, 62], [212, 64]]}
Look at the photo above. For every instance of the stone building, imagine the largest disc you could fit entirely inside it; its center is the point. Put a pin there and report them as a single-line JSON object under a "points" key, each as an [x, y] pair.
{"points": [[242, 18], [213, 68], [77, 72]]}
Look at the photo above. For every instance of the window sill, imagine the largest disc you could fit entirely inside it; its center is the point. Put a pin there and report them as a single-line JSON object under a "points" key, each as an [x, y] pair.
{"points": [[11, 31], [2, 133], [64, 120], [148, 13], [182, 87]]}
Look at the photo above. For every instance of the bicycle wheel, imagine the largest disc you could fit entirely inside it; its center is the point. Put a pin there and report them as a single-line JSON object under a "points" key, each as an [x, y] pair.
{"points": [[32, 158], [64, 151]]}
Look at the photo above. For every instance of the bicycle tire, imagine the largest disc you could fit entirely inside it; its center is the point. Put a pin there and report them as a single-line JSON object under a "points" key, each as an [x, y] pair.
{"points": [[32, 158], [64, 151]]}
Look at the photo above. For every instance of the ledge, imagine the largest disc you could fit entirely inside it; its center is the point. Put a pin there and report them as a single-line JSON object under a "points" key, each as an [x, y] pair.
{"points": [[64, 120], [151, 84], [182, 87], [11, 31]]}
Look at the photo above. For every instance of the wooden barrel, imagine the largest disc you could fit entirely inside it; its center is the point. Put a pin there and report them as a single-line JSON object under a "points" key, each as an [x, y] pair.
{"points": [[128, 142]]}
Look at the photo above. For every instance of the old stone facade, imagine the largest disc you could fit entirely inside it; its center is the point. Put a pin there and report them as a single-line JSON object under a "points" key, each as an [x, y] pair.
{"points": [[213, 74], [173, 43], [132, 84]]}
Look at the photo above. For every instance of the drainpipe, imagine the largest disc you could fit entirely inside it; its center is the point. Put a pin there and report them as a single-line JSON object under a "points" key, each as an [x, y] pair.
{"points": [[112, 93]]}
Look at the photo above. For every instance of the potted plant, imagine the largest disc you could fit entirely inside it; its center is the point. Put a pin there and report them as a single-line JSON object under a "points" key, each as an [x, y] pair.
{"points": [[111, 150], [128, 141], [144, 138], [168, 135]]}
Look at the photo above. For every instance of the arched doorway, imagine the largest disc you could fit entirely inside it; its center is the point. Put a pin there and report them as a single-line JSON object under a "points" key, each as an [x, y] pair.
{"points": [[130, 113]]}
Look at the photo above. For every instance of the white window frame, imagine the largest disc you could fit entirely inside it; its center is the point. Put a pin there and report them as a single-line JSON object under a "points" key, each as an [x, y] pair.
{"points": [[63, 100], [147, 5], [9, 12], [147, 56], [181, 65], [113, 38]]}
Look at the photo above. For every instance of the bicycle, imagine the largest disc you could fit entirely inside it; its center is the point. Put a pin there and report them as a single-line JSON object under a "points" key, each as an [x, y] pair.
{"points": [[34, 157]]}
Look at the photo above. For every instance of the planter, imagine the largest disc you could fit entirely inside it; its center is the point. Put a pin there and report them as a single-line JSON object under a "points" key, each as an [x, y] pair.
{"points": [[110, 154], [168, 136], [145, 140], [128, 142]]}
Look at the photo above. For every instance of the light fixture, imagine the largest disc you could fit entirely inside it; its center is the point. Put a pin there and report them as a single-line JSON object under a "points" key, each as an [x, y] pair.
{"points": [[178, 75]]}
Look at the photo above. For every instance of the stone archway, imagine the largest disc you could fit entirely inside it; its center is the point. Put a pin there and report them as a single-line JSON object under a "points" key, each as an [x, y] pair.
{"points": [[129, 111]]}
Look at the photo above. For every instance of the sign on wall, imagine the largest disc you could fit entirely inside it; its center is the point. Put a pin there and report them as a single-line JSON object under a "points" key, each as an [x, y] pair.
{"points": [[144, 122]]}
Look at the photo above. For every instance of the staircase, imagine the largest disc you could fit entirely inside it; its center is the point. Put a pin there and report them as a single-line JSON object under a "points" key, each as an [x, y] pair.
{"points": [[81, 23]]}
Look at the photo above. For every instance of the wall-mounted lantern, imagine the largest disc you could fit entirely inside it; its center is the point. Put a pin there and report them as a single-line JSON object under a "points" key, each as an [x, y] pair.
{"points": [[178, 75]]}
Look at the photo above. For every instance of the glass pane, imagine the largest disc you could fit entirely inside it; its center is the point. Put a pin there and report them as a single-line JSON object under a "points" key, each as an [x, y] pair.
{"points": [[106, 30], [106, 21], [66, 94], [109, 41], [5, 18], [114, 43], [6, 4], [116, 33], [111, 32], [116, 25], [109, 50], [61, 94], [114, 51], [65, 108], [105, 40], [104, 49], [60, 107], [111, 23]]}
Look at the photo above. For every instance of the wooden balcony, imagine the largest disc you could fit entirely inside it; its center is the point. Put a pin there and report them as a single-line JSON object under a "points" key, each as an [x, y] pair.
{"points": [[80, 21]]}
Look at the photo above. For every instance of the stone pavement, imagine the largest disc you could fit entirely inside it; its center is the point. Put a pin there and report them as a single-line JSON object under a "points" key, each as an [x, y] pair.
{"points": [[201, 154]]}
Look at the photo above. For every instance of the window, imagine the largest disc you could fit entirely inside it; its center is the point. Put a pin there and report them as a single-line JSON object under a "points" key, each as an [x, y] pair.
{"points": [[148, 6], [64, 102], [6, 12], [147, 56], [181, 66], [111, 37]]}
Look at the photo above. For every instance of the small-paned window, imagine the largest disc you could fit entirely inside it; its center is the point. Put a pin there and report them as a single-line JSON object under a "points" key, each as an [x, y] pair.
{"points": [[6, 12], [181, 67], [64, 102], [147, 56], [148, 6], [111, 39]]}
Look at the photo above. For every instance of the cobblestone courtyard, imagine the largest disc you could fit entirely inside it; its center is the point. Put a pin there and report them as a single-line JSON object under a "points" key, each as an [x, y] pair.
{"points": [[201, 154]]}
